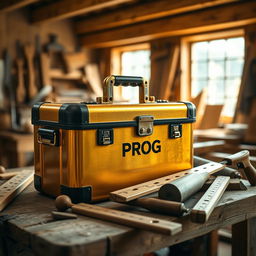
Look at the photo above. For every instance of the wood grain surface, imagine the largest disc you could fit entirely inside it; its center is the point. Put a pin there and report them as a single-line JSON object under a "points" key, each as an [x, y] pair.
{"points": [[29, 223]]}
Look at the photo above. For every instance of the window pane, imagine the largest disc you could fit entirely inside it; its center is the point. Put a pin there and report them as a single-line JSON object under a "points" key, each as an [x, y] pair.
{"points": [[229, 107], [198, 86], [216, 69], [134, 63], [217, 49], [234, 67], [216, 92], [199, 51], [199, 69], [235, 47], [232, 87]]}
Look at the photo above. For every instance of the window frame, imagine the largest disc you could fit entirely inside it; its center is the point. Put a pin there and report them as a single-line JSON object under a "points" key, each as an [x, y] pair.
{"points": [[186, 42]]}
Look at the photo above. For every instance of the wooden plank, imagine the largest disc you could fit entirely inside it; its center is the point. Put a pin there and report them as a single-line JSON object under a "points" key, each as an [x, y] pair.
{"points": [[139, 12], [34, 226], [222, 17], [11, 5], [207, 146], [67, 9]]}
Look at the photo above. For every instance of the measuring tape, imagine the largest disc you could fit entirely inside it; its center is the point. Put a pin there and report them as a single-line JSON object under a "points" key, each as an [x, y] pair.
{"points": [[204, 207], [139, 190], [14, 186]]}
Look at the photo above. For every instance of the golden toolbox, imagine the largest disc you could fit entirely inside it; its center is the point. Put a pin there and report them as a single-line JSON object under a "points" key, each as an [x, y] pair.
{"points": [[86, 150]]}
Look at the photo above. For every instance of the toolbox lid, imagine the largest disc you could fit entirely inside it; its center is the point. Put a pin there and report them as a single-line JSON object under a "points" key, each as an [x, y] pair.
{"points": [[79, 116]]}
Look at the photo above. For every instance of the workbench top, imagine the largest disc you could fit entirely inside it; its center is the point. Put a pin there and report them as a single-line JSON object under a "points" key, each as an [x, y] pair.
{"points": [[27, 222]]}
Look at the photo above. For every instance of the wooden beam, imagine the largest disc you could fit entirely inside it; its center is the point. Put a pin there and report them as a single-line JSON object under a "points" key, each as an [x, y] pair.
{"points": [[66, 8], [7, 6], [141, 12], [217, 18]]}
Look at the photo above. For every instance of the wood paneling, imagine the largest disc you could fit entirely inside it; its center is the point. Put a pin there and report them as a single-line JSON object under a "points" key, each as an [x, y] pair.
{"points": [[222, 17], [65, 9], [141, 12]]}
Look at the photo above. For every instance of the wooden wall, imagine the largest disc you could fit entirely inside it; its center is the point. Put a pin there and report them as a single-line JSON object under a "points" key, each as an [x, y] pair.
{"points": [[15, 26]]}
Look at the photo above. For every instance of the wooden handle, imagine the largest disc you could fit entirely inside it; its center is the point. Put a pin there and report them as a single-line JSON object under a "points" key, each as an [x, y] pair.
{"points": [[29, 53], [120, 217], [20, 92], [241, 159], [160, 206]]}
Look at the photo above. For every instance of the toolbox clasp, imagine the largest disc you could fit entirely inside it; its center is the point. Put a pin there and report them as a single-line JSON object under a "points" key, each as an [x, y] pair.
{"points": [[145, 125], [48, 137]]}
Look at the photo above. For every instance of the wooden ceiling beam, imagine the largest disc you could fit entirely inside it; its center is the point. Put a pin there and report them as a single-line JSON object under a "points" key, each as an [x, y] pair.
{"points": [[11, 5], [142, 12], [69, 8], [217, 18]]}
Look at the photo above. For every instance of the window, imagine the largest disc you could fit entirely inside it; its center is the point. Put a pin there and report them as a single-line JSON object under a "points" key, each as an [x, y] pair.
{"points": [[217, 64], [133, 61]]}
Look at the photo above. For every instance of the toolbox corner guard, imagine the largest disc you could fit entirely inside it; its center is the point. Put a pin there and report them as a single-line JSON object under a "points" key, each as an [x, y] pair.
{"points": [[77, 195]]}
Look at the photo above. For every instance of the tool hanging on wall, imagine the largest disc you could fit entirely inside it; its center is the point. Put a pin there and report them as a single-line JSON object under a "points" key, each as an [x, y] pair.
{"points": [[128, 219], [2, 94], [29, 54], [20, 89], [204, 207], [9, 86], [14, 186], [181, 189]]}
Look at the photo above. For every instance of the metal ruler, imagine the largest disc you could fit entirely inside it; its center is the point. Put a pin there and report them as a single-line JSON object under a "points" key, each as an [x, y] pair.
{"points": [[204, 207], [14, 186], [139, 190]]}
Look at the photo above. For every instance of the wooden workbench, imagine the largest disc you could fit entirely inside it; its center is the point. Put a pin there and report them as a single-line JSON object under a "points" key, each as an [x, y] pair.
{"points": [[27, 228]]}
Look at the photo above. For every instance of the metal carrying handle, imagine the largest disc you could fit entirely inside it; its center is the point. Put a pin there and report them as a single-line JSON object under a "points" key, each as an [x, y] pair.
{"points": [[111, 81]]}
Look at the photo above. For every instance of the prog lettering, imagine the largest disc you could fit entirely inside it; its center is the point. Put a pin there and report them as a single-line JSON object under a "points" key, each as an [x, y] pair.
{"points": [[141, 148]]}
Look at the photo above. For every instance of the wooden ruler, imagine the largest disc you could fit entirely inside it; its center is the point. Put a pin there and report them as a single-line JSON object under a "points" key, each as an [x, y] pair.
{"points": [[204, 207], [136, 191], [63, 202], [14, 186]]}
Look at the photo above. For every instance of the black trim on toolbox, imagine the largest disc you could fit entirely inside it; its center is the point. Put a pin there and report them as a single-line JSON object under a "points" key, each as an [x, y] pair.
{"points": [[35, 112], [111, 124], [77, 195], [191, 113], [73, 114], [38, 183]]}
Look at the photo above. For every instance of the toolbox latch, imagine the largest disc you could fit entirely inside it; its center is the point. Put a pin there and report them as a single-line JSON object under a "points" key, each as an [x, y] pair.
{"points": [[175, 131], [145, 125], [48, 137]]}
